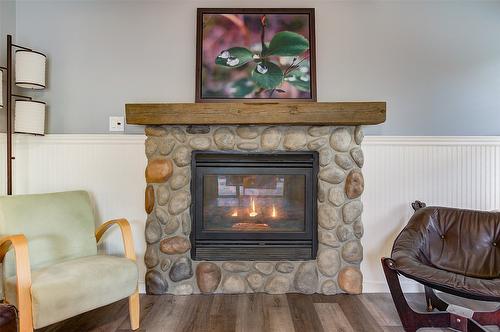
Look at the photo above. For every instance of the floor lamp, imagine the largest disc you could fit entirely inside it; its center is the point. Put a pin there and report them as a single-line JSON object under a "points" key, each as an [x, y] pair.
{"points": [[29, 114]]}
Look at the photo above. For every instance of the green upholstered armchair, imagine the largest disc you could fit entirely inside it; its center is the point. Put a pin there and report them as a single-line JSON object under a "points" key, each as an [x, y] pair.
{"points": [[51, 269]]}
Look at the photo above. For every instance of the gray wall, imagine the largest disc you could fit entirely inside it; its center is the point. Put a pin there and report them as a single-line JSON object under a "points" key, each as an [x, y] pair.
{"points": [[437, 64]]}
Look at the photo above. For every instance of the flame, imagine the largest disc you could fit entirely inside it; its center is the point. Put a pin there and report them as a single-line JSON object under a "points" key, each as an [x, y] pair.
{"points": [[253, 213], [235, 213], [274, 212]]}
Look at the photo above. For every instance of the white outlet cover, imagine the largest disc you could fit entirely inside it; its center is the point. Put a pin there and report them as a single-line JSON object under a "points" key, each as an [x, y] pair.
{"points": [[116, 123]]}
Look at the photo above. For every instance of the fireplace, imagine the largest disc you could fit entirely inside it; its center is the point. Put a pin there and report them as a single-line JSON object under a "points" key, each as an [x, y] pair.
{"points": [[254, 206]]}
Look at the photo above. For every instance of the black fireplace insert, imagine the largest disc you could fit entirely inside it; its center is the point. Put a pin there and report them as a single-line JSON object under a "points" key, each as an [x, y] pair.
{"points": [[254, 206]]}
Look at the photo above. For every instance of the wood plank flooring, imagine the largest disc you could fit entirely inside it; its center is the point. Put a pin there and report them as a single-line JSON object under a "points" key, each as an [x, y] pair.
{"points": [[248, 313]]}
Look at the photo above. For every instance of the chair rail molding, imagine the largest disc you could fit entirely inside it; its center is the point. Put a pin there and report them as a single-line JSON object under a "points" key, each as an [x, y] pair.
{"points": [[453, 171]]}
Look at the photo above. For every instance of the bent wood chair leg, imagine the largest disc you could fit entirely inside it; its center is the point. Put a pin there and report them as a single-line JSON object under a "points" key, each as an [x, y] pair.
{"points": [[410, 319], [134, 310], [487, 318]]}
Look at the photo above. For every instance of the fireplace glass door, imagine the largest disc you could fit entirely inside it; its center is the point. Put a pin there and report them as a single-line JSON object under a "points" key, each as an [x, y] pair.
{"points": [[254, 202], [254, 206]]}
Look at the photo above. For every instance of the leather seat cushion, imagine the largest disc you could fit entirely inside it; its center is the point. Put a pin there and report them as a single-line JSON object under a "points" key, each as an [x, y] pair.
{"points": [[75, 286], [452, 250]]}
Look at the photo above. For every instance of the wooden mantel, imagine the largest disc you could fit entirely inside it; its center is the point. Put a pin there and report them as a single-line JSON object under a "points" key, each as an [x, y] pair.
{"points": [[269, 113]]}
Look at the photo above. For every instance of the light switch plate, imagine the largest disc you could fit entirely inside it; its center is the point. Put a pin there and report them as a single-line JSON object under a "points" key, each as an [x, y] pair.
{"points": [[116, 123]]}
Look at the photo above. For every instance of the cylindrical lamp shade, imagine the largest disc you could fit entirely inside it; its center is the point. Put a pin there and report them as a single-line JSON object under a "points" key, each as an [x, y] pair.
{"points": [[30, 69], [29, 117]]}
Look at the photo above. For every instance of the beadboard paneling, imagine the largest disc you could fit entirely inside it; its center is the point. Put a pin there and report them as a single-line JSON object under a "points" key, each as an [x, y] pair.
{"points": [[451, 171]]}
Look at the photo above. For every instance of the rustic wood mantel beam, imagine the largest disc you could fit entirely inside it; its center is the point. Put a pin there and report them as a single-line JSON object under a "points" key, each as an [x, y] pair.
{"points": [[290, 113]]}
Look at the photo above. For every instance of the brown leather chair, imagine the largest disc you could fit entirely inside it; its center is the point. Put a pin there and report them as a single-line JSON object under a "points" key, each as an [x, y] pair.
{"points": [[451, 250], [8, 318]]}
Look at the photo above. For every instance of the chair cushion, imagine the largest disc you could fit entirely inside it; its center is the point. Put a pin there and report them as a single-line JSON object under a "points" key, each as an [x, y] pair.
{"points": [[75, 286], [58, 226], [452, 250]]}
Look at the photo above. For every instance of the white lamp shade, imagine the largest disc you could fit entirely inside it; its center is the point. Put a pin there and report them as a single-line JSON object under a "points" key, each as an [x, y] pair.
{"points": [[29, 117], [30, 69], [1, 88]]}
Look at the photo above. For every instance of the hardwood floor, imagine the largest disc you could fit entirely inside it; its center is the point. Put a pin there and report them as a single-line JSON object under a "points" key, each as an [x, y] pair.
{"points": [[248, 313]]}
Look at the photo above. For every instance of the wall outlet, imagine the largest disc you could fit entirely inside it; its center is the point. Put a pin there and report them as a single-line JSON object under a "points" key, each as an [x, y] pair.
{"points": [[116, 123]]}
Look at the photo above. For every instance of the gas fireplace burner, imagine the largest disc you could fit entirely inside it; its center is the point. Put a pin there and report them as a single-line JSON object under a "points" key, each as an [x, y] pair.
{"points": [[254, 206]]}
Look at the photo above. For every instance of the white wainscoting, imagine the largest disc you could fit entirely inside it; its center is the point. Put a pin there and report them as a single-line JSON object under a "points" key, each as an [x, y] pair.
{"points": [[452, 171]]}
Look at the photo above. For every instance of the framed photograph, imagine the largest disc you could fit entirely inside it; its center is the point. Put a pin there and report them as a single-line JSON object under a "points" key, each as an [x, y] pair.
{"points": [[254, 54]]}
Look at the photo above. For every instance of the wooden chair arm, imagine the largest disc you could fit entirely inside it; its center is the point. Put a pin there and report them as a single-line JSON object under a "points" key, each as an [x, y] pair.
{"points": [[128, 242], [23, 277]]}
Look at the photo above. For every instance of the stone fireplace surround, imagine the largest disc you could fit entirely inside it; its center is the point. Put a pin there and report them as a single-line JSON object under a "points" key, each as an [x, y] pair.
{"points": [[167, 202]]}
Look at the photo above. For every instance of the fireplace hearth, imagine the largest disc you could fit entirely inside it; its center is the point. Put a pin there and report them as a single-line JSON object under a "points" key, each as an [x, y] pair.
{"points": [[254, 206]]}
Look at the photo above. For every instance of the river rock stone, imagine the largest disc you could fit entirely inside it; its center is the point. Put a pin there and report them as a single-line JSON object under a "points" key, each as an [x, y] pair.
{"points": [[184, 289], [344, 161], [208, 276], [151, 258], [264, 268], [247, 132], [328, 239], [295, 139], [329, 262], [357, 155], [179, 180], [255, 280], [336, 196], [319, 131], [179, 202], [163, 194], [179, 134], [352, 211], [235, 266], [162, 215], [175, 245], [182, 156], [317, 143], [165, 264], [284, 267], [340, 140], [166, 146], [171, 225], [270, 138], [185, 220], [322, 191], [358, 135], [329, 287], [200, 143], [328, 217], [248, 146], [159, 170], [149, 199], [352, 251], [224, 138], [358, 229], [342, 233], [306, 278], [325, 156], [350, 280], [155, 284], [277, 284], [155, 131], [332, 174], [233, 284], [198, 129], [151, 146], [152, 231], [354, 184], [182, 269]]}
